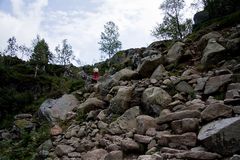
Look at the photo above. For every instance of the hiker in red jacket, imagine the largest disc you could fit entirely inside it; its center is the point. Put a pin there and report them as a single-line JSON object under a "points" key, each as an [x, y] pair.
{"points": [[95, 76]]}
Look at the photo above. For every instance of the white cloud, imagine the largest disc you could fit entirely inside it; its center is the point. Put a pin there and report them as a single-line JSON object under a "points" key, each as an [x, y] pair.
{"points": [[82, 28], [24, 23]]}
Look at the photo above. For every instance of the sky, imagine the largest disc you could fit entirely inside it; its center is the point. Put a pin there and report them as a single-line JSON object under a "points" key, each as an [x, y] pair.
{"points": [[81, 23]]}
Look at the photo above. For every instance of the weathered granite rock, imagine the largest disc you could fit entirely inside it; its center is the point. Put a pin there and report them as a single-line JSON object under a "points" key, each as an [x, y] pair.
{"points": [[198, 155], [155, 99], [145, 122], [129, 144], [114, 155], [126, 122], [184, 87], [175, 52], [159, 72], [125, 74], [214, 83], [142, 139], [96, 154], [53, 110], [185, 125], [216, 110], [213, 53], [200, 84], [63, 150], [187, 139], [91, 104], [222, 136], [178, 116], [149, 64], [120, 103]]}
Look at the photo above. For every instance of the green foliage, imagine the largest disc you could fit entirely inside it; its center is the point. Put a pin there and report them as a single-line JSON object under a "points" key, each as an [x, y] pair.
{"points": [[218, 8], [81, 116], [24, 148], [76, 84], [20, 92], [64, 53], [217, 23], [41, 54], [109, 42], [172, 27], [12, 47]]}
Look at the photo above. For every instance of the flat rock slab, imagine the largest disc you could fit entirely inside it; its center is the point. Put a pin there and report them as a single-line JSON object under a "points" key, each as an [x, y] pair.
{"points": [[222, 136], [178, 116]]}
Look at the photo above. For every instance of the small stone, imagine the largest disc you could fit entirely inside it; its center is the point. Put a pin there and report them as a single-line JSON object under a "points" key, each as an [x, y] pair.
{"points": [[56, 130]]}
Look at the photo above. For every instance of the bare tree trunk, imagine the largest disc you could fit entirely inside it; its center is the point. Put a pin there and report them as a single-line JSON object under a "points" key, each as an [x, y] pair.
{"points": [[36, 70]]}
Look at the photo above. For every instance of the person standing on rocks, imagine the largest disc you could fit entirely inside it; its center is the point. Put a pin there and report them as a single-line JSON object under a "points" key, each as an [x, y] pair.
{"points": [[95, 75]]}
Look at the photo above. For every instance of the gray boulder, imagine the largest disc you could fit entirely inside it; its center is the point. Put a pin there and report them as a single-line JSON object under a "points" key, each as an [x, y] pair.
{"points": [[159, 72], [97, 154], [214, 83], [216, 110], [222, 136], [91, 104], [126, 122], [155, 99], [213, 53], [120, 103], [149, 64], [205, 38], [184, 87], [63, 150], [175, 52], [125, 74], [54, 109]]}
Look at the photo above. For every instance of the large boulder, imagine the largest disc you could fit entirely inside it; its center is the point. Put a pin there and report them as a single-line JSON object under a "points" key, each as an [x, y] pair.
{"points": [[155, 99], [91, 104], [121, 102], [125, 74], [216, 110], [149, 64], [144, 122], [63, 149], [54, 109], [214, 83], [126, 122], [205, 38], [104, 86], [213, 53], [175, 52], [159, 72], [222, 136]]}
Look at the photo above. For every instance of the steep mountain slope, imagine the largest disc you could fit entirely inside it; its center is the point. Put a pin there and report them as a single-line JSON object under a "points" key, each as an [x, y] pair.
{"points": [[178, 101]]}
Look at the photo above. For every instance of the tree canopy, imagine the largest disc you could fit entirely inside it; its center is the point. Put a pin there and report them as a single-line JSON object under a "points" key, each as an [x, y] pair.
{"points": [[64, 53], [109, 42], [172, 26]]}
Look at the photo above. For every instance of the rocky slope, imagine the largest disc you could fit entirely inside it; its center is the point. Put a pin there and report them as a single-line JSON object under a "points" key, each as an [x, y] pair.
{"points": [[181, 102]]}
